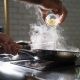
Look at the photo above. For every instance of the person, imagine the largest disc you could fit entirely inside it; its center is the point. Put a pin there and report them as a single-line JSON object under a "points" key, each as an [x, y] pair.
{"points": [[7, 45], [55, 6]]}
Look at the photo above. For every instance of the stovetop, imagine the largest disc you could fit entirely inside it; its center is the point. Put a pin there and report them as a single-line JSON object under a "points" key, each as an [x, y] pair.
{"points": [[31, 67]]}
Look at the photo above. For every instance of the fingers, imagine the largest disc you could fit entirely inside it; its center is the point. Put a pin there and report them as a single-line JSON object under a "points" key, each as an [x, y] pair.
{"points": [[64, 15], [44, 13], [57, 8]]}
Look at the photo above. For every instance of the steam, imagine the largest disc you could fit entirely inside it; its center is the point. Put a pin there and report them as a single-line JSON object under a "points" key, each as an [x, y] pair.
{"points": [[43, 37], [47, 37]]}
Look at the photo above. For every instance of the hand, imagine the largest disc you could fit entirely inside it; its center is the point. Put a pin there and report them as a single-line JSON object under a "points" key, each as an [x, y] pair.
{"points": [[8, 45], [56, 7]]}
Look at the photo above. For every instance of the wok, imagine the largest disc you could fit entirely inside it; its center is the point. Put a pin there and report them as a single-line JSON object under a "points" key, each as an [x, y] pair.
{"points": [[56, 55]]}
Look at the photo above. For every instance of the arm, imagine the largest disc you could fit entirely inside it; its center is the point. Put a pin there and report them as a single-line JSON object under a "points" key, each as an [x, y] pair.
{"points": [[55, 5]]}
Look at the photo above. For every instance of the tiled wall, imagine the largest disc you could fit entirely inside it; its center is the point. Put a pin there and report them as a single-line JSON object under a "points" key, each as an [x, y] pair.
{"points": [[72, 24], [1, 13], [20, 18]]}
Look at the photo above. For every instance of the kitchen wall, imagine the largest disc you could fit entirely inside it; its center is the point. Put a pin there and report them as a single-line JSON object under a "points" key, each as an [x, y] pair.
{"points": [[1, 14]]}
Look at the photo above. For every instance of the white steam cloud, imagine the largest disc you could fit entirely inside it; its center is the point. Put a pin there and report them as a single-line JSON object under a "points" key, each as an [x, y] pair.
{"points": [[47, 37]]}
